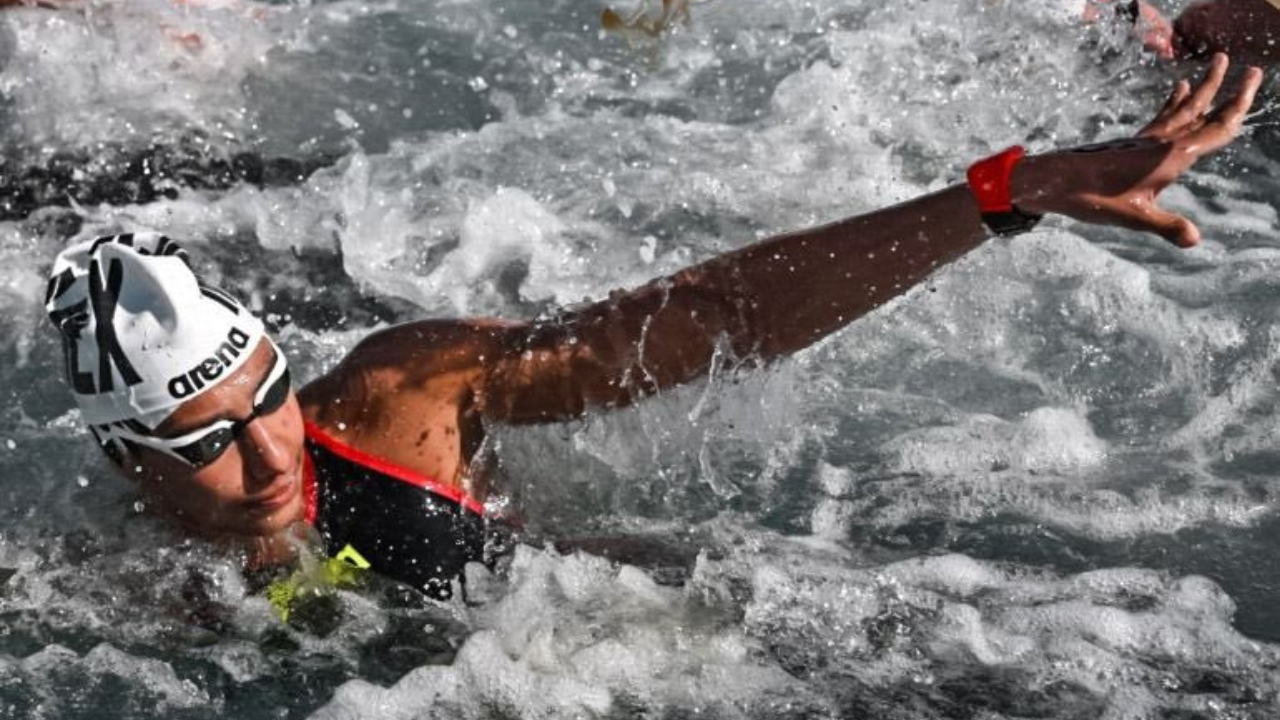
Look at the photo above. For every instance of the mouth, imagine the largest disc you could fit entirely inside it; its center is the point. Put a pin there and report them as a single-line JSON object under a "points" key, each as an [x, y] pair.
{"points": [[276, 496]]}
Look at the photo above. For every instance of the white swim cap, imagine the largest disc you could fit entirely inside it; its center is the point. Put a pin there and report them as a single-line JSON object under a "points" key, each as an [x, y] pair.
{"points": [[140, 334]]}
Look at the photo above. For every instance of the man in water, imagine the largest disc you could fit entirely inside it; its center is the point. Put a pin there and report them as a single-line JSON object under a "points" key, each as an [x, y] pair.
{"points": [[1244, 29], [192, 401], [1247, 30]]}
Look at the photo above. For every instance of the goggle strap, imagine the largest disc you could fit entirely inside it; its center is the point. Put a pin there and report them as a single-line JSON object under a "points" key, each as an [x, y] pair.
{"points": [[112, 442]]}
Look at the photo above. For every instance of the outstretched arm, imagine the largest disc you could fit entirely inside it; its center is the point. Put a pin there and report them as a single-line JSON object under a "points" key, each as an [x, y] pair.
{"points": [[780, 295], [777, 296]]}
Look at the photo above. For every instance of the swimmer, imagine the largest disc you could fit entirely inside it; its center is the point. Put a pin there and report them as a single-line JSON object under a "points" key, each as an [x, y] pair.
{"points": [[1247, 30], [191, 400]]}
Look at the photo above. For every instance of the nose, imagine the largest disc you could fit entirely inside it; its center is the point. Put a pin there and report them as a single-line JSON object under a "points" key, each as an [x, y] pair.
{"points": [[266, 454]]}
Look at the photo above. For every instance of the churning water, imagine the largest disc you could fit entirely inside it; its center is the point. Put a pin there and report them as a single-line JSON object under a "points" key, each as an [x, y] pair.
{"points": [[1042, 485]]}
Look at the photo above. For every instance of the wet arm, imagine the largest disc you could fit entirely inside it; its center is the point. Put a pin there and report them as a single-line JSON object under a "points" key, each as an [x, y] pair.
{"points": [[776, 296], [782, 294], [763, 301]]}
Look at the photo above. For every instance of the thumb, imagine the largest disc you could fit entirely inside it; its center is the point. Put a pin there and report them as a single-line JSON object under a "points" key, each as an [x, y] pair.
{"points": [[1173, 227]]}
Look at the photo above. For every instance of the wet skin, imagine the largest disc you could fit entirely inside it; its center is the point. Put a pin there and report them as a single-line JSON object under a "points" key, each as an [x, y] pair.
{"points": [[254, 489], [1244, 29], [419, 394]]}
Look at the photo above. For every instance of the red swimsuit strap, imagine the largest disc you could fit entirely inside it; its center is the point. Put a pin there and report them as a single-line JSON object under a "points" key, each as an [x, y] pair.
{"points": [[309, 487], [373, 462]]}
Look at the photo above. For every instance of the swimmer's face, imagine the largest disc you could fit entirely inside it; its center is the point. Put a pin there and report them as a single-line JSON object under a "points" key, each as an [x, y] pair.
{"points": [[254, 488]]}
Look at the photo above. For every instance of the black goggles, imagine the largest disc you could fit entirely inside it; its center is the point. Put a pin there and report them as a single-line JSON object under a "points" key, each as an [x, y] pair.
{"points": [[204, 445]]}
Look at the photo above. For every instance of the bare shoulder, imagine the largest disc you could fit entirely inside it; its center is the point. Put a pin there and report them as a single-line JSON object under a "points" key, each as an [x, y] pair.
{"points": [[397, 376], [409, 394], [419, 351]]}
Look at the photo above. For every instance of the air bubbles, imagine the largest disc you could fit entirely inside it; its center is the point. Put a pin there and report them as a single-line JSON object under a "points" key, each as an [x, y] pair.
{"points": [[343, 118], [648, 247]]}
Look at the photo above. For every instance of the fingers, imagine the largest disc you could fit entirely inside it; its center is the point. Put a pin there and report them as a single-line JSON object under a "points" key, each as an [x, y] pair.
{"points": [[1144, 215], [1225, 123], [1117, 183], [1188, 119], [1187, 106], [1233, 113], [1173, 227], [1180, 92], [1195, 131], [1202, 98]]}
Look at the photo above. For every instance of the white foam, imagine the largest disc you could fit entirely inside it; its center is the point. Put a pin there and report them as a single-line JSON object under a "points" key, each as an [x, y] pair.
{"points": [[21, 283], [1047, 440], [127, 69], [576, 635]]}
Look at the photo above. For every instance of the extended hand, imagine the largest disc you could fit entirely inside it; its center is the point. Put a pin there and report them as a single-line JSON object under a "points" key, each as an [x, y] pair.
{"points": [[1116, 183]]}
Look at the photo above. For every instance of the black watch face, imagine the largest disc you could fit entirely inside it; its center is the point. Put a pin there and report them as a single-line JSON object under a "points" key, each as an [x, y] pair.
{"points": [[1010, 223]]}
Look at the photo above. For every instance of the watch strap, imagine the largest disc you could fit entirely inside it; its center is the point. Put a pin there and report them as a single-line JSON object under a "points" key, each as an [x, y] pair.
{"points": [[990, 183]]}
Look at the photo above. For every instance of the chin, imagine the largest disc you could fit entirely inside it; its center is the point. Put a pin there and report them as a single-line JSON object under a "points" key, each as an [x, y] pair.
{"points": [[268, 523]]}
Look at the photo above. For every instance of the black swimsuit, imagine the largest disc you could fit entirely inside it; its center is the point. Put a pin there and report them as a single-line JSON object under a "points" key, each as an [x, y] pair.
{"points": [[404, 525]]}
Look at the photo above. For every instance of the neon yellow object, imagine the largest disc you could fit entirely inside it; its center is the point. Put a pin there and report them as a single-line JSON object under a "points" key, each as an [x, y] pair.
{"points": [[343, 570], [349, 556]]}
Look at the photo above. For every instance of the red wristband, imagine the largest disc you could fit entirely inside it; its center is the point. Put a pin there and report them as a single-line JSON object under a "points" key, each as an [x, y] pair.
{"points": [[990, 182], [989, 179]]}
